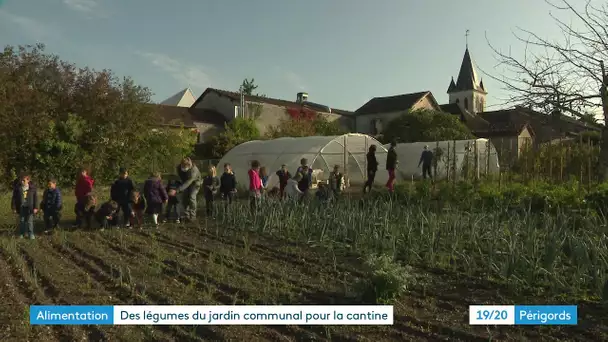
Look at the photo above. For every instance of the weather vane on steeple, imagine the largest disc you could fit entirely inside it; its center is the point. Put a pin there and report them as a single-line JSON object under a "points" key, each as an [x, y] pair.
{"points": [[466, 37]]}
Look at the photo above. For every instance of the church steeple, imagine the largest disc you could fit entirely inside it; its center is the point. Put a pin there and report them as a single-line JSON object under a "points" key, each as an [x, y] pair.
{"points": [[468, 91], [467, 77]]}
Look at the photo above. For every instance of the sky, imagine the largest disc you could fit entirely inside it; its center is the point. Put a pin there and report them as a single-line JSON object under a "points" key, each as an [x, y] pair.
{"points": [[342, 52]]}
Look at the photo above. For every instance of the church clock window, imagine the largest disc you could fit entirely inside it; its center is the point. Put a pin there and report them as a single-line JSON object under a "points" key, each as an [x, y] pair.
{"points": [[466, 103]]}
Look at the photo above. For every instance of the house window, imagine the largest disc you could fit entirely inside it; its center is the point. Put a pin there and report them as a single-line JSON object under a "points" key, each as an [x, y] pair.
{"points": [[466, 103]]}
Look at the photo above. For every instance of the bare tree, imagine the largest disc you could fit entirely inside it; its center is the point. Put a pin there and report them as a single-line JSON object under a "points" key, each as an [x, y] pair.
{"points": [[566, 75]]}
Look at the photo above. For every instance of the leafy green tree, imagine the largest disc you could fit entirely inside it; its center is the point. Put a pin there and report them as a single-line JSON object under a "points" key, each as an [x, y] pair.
{"points": [[236, 132], [248, 86], [57, 118], [425, 125], [325, 127], [163, 156]]}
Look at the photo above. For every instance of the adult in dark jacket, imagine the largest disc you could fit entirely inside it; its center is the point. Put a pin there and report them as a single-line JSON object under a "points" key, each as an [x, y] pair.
{"points": [[120, 192], [426, 159], [155, 195], [191, 184], [51, 205], [372, 168], [391, 165], [24, 203]]}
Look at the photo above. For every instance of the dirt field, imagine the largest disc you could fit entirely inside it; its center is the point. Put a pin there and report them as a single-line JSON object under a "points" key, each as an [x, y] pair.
{"points": [[189, 265]]}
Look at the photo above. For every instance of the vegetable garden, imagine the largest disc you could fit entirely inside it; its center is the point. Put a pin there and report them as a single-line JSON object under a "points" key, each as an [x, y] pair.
{"points": [[429, 256]]}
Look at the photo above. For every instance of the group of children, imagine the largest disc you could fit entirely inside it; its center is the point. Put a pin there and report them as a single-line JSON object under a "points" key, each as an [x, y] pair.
{"points": [[134, 206], [290, 187], [123, 197]]}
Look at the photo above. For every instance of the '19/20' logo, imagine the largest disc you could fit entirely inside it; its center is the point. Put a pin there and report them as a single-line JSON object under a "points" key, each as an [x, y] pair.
{"points": [[491, 315]]}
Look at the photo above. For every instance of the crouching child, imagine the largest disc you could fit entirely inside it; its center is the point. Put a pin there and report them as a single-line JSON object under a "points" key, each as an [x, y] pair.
{"points": [[85, 210], [292, 189], [172, 212], [323, 193], [51, 206], [137, 205], [106, 213], [25, 204]]}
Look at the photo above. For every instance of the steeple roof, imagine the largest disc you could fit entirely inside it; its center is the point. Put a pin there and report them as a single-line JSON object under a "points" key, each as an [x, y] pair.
{"points": [[452, 86], [467, 77]]}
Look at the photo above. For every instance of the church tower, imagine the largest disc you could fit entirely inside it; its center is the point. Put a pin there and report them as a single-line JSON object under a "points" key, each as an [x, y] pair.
{"points": [[468, 91]]}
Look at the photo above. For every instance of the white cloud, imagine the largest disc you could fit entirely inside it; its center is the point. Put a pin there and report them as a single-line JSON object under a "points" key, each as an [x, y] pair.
{"points": [[33, 28], [82, 5], [187, 74]]}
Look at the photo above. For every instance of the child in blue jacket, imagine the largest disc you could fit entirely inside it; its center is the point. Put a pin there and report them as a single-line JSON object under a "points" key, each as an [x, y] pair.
{"points": [[51, 206]]}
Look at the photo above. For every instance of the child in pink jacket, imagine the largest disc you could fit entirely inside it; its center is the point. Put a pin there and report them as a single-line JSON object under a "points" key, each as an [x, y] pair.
{"points": [[255, 185]]}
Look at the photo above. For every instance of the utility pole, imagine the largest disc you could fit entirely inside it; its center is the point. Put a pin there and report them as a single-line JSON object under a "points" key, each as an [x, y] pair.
{"points": [[242, 102]]}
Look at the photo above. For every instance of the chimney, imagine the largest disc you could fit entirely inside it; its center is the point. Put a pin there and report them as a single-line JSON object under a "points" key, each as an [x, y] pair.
{"points": [[302, 97]]}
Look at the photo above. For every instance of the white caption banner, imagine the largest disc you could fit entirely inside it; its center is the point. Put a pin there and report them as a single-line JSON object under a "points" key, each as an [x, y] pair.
{"points": [[253, 315]]}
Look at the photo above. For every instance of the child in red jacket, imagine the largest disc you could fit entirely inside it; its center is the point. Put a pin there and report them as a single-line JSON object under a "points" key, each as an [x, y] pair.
{"points": [[84, 186]]}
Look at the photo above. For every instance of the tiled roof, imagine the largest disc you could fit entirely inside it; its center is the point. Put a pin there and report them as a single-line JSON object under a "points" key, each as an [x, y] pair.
{"points": [[473, 121], [178, 116], [452, 108], [545, 127], [262, 99], [391, 103], [506, 132]]}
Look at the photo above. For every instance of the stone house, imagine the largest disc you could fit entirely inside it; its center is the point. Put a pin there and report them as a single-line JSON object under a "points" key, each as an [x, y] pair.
{"points": [[266, 111], [376, 114]]}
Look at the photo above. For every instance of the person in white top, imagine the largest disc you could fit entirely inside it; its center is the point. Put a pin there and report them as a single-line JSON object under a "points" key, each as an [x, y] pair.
{"points": [[292, 192]]}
